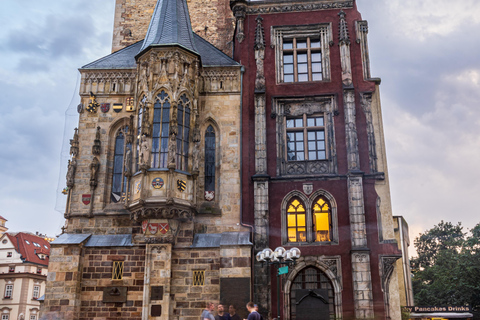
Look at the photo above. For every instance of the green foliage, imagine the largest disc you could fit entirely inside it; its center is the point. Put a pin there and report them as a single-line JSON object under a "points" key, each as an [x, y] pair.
{"points": [[447, 269]]}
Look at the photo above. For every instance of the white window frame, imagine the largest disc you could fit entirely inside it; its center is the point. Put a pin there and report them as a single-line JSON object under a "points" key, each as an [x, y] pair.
{"points": [[5, 316], [8, 288], [36, 292]]}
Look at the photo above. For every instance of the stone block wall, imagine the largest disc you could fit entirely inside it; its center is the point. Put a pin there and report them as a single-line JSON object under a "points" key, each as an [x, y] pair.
{"points": [[211, 19], [97, 274]]}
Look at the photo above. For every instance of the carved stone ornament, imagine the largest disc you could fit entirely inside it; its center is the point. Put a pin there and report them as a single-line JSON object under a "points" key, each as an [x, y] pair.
{"points": [[94, 166], [307, 188], [96, 143], [239, 11], [262, 9], [170, 212], [72, 167], [144, 154], [172, 149], [259, 56], [128, 163], [74, 143]]}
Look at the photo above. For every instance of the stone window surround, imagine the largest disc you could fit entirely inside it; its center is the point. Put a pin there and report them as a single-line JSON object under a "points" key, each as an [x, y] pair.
{"points": [[203, 129], [308, 203], [322, 31], [7, 285], [323, 105]]}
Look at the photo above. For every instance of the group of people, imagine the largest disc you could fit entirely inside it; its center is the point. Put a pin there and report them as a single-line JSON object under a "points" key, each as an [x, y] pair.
{"points": [[207, 314]]}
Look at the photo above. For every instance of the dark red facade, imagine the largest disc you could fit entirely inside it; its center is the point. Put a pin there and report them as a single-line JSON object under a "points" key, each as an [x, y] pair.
{"points": [[335, 184]]}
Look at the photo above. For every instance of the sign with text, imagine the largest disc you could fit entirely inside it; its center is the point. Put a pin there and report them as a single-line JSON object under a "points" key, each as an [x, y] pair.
{"points": [[439, 309]]}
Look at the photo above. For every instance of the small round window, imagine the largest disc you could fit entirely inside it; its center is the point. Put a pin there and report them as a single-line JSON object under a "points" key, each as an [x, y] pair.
{"points": [[4, 241]]}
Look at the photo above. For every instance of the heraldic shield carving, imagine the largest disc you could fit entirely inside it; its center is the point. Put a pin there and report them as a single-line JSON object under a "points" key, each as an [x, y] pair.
{"points": [[159, 230]]}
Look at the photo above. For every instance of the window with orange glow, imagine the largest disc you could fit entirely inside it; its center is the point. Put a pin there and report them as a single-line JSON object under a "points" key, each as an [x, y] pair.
{"points": [[322, 224], [296, 221]]}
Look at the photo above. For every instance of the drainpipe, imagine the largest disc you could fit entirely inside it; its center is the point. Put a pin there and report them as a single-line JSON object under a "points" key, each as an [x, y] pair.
{"points": [[242, 70]]}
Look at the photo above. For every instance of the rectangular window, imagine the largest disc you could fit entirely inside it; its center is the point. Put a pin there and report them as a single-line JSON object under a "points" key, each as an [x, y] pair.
{"points": [[9, 254], [5, 316], [39, 270], [306, 138], [302, 52], [8, 291], [36, 292], [199, 277], [11, 269], [117, 272], [33, 317], [302, 59]]}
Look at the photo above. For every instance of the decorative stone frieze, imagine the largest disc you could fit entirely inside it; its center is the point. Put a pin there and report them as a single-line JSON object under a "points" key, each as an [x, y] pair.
{"points": [[357, 212], [219, 80], [105, 82], [280, 8]]}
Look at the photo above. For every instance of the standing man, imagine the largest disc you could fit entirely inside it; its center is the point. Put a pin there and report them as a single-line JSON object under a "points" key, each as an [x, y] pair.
{"points": [[207, 313], [233, 312], [254, 315], [221, 314]]}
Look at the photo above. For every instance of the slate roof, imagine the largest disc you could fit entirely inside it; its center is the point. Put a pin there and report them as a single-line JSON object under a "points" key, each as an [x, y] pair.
{"points": [[109, 240], [125, 58], [29, 250], [170, 25]]}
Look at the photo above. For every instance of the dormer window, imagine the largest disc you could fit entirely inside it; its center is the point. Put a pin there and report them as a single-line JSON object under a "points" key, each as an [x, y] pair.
{"points": [[36, 244], [27, 242]]}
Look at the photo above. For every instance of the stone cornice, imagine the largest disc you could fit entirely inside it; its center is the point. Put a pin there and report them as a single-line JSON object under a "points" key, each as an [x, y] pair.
{"points": [[281, 7]]}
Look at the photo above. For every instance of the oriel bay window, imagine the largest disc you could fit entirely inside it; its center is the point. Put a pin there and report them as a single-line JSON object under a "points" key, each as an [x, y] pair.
{"points": [[305, 138]]}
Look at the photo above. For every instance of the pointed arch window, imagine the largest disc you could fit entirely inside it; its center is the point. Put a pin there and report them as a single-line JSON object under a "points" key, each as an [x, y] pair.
{"points": [[210, 159], [161, 118], [296, 221], [139, 133], [122, 151], [322, 220], [183, 136]]}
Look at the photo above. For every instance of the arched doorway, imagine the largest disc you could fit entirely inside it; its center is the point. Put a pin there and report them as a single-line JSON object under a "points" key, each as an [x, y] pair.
{"points": [[311, 278]]}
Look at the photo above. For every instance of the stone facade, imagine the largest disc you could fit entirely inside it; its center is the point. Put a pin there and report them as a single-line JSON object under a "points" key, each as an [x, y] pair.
{"points": [[185, 164]]}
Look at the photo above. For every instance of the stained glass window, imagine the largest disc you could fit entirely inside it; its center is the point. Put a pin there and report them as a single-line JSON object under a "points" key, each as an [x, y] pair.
{"points": [[322, 224], [210, 159], [119, 180], [183, 118]]}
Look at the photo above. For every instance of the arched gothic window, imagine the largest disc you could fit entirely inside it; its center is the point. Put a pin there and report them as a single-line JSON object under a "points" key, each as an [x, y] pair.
{"points": [[122, 158], [322, 220], [139, 133], [296, 221], [161, 118], [312, 278], [210, 159], [183, 136], [309, 220]]}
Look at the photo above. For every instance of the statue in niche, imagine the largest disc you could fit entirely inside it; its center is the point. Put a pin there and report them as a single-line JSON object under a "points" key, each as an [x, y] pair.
{"points": [[195, 156], [128, 163], [94, 166], [144, 151], [72, 167], [172, 149]]}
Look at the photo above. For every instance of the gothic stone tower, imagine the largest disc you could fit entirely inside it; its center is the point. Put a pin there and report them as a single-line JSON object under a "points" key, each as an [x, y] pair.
{"points": [[153, 225], [314, 165]]}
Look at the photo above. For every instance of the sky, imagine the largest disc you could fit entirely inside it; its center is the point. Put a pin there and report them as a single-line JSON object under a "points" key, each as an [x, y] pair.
{"points": [[426, 53]]}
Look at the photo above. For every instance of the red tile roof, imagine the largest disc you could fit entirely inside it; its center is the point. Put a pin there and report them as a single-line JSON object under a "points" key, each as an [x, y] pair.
{"points": [[30, 251], [2, 218]]}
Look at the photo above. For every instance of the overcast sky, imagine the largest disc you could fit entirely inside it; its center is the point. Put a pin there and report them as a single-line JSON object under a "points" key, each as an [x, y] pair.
{"points": [[426, 53]]}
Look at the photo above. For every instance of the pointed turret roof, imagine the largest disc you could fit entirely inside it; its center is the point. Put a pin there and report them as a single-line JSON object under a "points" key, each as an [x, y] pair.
{"points": [[170, 25]]}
